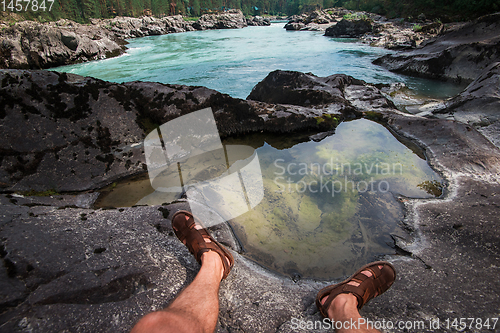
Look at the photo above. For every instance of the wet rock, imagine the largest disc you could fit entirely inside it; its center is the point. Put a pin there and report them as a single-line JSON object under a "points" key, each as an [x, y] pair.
{"points": [[473, 155], [232, 19], [408, 100], [349, 28], [460, 55]]}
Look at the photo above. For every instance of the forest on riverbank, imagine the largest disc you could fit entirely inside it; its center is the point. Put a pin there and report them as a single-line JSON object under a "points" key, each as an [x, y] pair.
{"points": [[83, 10]]}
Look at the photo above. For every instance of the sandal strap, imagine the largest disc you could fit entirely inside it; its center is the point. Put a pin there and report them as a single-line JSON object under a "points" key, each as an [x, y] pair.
{"points": [[196, 240], [368, 288]]}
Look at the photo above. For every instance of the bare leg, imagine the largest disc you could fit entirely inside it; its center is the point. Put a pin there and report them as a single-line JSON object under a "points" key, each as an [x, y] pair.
{"points": [[344, 307], [196, 309]]}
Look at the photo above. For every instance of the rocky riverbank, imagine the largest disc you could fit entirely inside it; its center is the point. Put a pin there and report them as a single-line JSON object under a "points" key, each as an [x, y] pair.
{"points": [[32, 45], [372, 29], [463, 53], [68, 267], [460, 55]]}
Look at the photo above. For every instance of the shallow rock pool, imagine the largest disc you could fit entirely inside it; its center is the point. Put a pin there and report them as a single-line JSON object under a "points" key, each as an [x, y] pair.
{"points": [[328, 206]]}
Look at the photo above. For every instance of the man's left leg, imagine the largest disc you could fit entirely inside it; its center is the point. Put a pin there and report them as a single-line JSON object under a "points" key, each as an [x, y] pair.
{"points": [[196, 309]]}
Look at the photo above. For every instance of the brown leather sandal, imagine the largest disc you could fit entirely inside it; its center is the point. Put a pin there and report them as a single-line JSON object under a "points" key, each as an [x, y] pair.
{"points": [[183, 223], [369, 287]]}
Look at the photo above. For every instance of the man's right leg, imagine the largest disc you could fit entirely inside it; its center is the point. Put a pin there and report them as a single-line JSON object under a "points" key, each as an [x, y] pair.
{"points": [[341, 302], [344, 309]]}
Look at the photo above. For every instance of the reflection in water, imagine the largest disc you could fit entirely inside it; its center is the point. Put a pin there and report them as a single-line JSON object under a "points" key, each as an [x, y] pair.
{"points": [[328, 206]]}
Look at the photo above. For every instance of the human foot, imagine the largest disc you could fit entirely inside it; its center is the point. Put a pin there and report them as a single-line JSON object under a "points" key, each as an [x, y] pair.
{"points": [[368, 282], [199, 242]]}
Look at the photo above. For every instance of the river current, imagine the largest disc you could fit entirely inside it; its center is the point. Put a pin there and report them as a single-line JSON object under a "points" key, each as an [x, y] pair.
{"points": [[233, 61]]}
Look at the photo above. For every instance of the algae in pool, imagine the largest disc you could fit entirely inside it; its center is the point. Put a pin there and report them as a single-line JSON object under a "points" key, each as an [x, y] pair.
{"points": [[329, 206]]}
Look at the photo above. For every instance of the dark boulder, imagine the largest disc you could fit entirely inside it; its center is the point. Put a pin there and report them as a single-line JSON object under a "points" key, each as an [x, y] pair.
{"points": [[70, 40], [294, 26], [339, 91], [349, 28]]}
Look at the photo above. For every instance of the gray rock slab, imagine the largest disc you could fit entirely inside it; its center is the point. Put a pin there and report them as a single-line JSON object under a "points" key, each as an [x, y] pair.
{"points": [[460, 55]]}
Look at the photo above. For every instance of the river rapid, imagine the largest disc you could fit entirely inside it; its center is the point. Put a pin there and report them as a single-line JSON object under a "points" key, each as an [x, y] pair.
{"points": [[233, 61]]}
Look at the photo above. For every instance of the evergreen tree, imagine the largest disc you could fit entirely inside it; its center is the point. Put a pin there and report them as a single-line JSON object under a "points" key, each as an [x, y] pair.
{"points": [[83, 10], [196, 8]]}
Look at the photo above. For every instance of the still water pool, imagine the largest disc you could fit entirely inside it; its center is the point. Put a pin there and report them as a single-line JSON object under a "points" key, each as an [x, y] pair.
{"points": [[328, 206]]}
